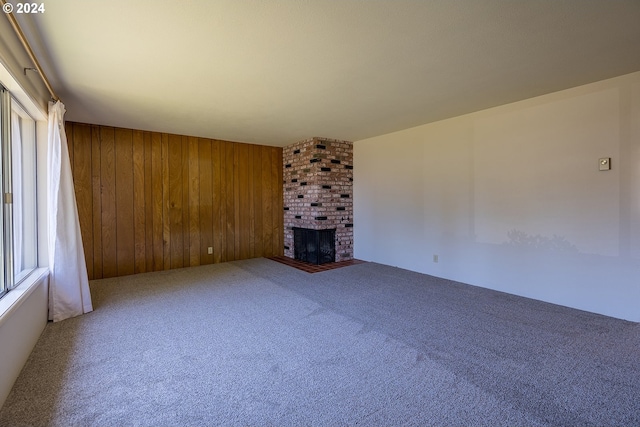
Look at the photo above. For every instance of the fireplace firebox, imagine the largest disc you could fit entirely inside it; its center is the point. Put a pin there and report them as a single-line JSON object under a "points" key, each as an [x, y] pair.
{"points": [[314, 246]]}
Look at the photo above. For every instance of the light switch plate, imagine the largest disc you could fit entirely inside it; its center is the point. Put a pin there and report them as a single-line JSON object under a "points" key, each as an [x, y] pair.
{"points": [[605, 163]]}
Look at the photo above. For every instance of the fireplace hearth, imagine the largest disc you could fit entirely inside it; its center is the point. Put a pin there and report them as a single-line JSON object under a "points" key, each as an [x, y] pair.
{"points": [[314, 246]]}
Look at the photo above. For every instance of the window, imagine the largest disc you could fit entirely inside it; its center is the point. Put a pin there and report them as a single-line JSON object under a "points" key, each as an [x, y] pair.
{"points": [[18, 174]]}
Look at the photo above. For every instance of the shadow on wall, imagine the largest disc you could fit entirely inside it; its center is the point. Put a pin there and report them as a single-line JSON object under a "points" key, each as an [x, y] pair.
{"points": [[520, 239]]}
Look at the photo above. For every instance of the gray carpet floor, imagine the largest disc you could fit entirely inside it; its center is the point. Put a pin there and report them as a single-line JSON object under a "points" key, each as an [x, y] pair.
{"points": [[256, 342]]}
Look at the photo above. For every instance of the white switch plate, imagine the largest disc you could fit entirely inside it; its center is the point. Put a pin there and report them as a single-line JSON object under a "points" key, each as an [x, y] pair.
{"points": [[605, 163], [210, 250]]}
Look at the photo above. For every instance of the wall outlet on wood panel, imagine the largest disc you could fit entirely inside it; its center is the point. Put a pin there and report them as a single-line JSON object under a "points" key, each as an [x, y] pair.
{"points": [[210, 250]]}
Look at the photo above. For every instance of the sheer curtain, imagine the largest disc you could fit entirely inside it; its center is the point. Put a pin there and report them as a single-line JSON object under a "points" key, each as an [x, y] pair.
{"points": [[68, 284]]}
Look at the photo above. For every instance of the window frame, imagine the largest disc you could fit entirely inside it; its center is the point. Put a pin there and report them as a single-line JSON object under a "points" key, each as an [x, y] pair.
{"points": [[10, 279], [6, 226], [29, 198]]}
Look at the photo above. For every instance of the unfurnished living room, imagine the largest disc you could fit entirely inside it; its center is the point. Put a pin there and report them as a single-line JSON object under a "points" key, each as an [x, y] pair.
{"points": [[320, 212]]}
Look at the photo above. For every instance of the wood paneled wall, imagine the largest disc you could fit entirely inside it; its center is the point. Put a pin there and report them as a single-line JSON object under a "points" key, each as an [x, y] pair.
{"points": [[151, 201]]}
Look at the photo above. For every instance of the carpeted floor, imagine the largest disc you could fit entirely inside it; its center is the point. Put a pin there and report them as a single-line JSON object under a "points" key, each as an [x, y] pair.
{"points": [[259, 343]]}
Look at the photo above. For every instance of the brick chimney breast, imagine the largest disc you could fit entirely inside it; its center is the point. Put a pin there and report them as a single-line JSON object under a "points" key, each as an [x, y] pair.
{"points": [[318, 173]]}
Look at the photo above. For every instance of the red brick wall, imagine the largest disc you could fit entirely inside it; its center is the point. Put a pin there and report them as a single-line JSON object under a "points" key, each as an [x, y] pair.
{"points": [[318, 191]]}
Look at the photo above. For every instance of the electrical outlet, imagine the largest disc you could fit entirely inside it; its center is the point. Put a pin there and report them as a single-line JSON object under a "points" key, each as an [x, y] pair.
{"points": [[435, 258], [210, 250]]}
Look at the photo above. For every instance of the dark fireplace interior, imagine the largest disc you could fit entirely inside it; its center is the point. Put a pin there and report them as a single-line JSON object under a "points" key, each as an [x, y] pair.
{"points": [[314, 246]]}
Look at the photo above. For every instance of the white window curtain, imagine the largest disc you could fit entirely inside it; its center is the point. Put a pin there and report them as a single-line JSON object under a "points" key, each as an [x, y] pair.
{"points": [[69, 294]]}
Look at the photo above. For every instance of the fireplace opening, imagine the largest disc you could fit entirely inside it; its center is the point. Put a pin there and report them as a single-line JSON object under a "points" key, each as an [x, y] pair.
{"points": [[314, 246]]}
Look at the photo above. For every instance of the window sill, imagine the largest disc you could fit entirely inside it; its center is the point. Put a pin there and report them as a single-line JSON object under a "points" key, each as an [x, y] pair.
{"points": [[14, 298]]}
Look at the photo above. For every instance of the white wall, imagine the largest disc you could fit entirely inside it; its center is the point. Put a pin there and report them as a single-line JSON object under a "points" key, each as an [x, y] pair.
{"points": [[23, 316], [511, 198]]}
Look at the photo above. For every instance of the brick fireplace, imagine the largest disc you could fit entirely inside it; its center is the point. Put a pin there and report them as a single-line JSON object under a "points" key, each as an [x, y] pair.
{"points": [[318, 192]]}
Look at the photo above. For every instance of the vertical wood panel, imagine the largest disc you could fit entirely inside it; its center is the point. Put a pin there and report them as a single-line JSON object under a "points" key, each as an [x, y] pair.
{"points": [[267, 201], [229, 196], [175, 201], [194, 201], [150, 201], [278, 202], [139, 207], [81, 136], [251, 200], [96, 186], [206, 200], [186, 237], [257, 201], [219, 203], [108, 180], [124, 201], [237, 231], [244, 226], [166, 222], [157, 184]]}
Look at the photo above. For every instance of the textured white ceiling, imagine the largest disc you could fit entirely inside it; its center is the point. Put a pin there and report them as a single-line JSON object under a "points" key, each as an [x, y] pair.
{"points": [[274, 72]]}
